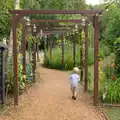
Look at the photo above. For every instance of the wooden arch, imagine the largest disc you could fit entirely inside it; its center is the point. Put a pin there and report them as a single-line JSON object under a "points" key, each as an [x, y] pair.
{"points": [[18, 14]]}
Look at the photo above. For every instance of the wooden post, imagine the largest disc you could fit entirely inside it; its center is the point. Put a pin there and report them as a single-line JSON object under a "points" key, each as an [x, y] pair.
{"points": [[86, 58], [81, 56], [15, 59], [37, 49], [63, 51], [45, 42], [74, 51], [50, 48], [96, 49], [34, 62], [24, 48], [34, 56]]}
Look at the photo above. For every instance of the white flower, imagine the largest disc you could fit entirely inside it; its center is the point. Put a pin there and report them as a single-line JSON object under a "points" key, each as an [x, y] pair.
{"points": [[104, 96]]}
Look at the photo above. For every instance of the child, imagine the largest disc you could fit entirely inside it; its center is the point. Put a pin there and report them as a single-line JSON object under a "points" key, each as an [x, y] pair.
{"points": [[74, 78]]}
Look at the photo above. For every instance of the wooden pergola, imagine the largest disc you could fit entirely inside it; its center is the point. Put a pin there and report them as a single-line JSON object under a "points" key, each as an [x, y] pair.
{"points": [[17, 15]]}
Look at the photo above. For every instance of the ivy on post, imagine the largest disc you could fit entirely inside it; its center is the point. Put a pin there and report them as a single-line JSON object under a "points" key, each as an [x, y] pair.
{"points": [[23, 43], [81, 56], [37, 50], [34, 51], [86, 58]]}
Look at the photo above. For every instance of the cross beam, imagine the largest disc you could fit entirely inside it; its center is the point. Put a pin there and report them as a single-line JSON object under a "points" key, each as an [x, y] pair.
{"points": [[54, 21], [92, 12]]}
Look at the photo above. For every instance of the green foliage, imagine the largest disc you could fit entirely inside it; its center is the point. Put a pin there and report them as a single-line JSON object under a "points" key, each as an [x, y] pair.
{"points": [[10, 76], [109, 71], [109, 23], [113, 113], [112, 30], [29, 73], [104, 50], [102, 79], [117, 55], [56, 61], [21, 79], [19, 35], [53, 4], [112, 91], [109, 86], [5, 18], [90, 55]]}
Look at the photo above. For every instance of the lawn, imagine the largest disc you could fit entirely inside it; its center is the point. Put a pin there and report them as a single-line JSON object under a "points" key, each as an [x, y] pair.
{"points": [[113, 113]]}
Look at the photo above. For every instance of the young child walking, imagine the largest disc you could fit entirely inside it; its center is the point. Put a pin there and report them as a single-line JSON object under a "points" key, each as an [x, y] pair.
{"points": [[74, 78]]}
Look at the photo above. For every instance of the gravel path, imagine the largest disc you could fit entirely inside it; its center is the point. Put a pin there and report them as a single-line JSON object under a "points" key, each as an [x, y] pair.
{"points": [[50, 99]]}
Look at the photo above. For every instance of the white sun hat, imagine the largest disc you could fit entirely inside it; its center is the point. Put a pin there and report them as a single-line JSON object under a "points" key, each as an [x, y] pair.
{"points": [[75, 70]]}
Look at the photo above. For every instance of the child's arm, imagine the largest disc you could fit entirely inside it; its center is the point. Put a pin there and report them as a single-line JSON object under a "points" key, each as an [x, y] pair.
{"points": [[78, 78], [70, 77]]}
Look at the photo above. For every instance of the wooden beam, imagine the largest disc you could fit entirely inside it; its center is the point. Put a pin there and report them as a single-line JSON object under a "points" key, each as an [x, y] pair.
{"points": [[25, 12]]}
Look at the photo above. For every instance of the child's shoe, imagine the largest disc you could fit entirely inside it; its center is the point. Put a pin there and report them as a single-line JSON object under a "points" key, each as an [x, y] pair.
{"points": [[72, 97]]}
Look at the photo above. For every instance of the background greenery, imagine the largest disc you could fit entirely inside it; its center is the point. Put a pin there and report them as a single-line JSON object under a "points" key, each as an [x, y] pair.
{"points": [[109, 42]]}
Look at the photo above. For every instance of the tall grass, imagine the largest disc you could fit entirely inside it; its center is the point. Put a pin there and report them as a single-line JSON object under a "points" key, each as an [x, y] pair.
{"points": [[56, 61]]}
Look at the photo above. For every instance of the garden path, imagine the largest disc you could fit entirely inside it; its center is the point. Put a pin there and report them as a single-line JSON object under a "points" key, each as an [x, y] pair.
{"points": [[50, 99]]}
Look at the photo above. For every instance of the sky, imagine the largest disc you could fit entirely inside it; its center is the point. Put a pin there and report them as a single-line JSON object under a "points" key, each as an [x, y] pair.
{"points": [[93, 2]]}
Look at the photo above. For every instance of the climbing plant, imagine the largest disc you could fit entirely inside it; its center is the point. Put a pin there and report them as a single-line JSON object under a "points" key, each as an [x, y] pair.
{"points": [[10, 75], [81, 41]]}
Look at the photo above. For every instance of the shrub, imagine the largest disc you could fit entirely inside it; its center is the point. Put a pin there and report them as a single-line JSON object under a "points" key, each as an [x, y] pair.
{"points": [[29, 73], [56, 61], [110, 87], [10, 74], [117, 55], [102, 80], [104, 49], [90, 56], [112, 91], [21, 80]]}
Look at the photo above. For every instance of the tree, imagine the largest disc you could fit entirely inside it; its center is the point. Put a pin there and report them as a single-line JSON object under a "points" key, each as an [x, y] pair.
{"points": [[53, 4], [5, 18], [10, 44], [112, 30]]}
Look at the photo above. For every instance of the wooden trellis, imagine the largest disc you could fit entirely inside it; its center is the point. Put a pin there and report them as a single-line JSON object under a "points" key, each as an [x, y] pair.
{"points": [[18, 14]]}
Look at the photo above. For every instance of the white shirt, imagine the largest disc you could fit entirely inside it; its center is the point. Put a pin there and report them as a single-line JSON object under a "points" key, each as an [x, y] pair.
{"points": [[74, 78]]}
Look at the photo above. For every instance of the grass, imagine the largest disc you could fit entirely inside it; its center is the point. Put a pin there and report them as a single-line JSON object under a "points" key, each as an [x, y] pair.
{"points": [[105, 62], [113, 113], [56, 61]]}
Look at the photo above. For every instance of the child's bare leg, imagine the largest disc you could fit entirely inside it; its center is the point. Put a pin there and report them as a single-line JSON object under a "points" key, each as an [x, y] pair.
{"points": [[75, 93], [72, 91]]}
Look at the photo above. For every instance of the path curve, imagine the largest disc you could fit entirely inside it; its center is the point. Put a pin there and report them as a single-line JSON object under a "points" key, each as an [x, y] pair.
{"points": [[51, 100]]}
